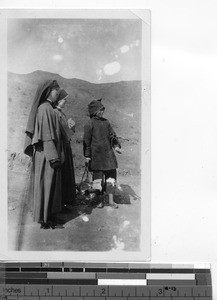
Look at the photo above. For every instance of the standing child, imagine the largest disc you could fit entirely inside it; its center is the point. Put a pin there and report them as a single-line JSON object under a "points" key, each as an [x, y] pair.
{"points": [[99, 142]]}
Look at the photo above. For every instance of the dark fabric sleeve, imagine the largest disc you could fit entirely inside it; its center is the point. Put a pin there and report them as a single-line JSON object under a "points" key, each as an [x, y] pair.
{"points": [[50, 151], [87, 140], [28, 148], [113, 137]]}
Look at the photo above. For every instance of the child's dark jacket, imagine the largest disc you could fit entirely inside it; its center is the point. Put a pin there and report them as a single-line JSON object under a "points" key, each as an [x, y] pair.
{"points": [[98, 135]]}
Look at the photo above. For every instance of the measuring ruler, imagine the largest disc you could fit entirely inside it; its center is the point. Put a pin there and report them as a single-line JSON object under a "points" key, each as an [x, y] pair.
{"points": [[104, 281]]}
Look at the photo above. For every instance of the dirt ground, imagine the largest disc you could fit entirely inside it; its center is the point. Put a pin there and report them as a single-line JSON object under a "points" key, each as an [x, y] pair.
{"points": [[86, 227]]}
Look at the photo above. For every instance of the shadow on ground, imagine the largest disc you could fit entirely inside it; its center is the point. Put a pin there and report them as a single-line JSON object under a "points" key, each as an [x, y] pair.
{"points": [[85, 205], [125, 195]]}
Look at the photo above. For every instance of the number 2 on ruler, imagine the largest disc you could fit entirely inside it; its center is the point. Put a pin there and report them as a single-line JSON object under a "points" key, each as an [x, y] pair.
{"points": [[103, 292]]}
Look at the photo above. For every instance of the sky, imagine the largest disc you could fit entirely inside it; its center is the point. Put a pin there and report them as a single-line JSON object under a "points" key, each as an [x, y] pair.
{"points": [[96, 50]]}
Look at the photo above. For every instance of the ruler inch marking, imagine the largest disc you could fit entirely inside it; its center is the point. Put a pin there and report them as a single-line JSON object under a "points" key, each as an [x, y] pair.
{"points": [[129, 291], [199, 291], [115, 291]]}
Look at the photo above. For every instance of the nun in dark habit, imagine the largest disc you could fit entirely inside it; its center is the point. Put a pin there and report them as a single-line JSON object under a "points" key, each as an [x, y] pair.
{"points": [[43, 144], [67, 127]]}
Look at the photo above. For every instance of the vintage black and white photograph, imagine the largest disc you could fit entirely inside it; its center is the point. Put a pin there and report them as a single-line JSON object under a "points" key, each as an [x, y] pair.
{"points": [[78, 133]]}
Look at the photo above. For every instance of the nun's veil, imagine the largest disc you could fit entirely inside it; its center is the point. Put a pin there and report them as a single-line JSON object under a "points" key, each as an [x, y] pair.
{"points": [[41, 95]]}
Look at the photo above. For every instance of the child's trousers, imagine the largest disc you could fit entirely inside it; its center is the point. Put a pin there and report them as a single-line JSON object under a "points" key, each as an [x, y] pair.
{"points": [[105, 181]]}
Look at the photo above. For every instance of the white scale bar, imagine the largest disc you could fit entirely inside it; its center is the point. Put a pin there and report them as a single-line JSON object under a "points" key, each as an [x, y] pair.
{"points": [[164, 276], [122, 282]]}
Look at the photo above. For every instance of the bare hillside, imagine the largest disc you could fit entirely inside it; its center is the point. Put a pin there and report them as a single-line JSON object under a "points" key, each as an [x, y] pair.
{"points": [[121, 99]]}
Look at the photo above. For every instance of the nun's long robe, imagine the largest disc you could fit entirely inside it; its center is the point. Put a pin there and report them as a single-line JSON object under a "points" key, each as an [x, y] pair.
{"points": [[47, 141], [67, 170]]}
